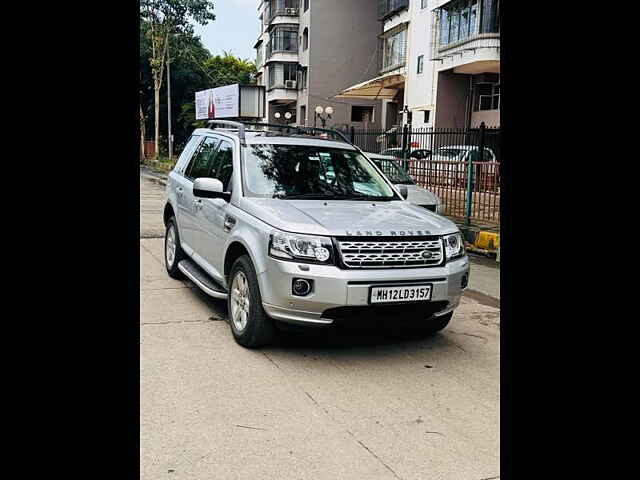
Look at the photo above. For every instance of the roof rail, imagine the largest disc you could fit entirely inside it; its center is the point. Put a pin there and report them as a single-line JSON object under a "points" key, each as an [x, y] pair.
{"points": [[301, 129], [240, 126]]}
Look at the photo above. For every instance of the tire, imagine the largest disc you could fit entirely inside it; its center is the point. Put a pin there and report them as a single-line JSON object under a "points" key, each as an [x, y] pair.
{"points": [[435, 324], [250, 325], [178, 253]]}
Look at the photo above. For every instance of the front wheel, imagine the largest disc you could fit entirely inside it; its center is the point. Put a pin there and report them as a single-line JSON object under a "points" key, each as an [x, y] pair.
{"points": [[435, 324], [173, 253], [250, 325]]}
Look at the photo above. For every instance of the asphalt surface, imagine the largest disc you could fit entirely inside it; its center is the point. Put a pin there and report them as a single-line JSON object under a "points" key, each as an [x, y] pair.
{"points": [[350, 403]]}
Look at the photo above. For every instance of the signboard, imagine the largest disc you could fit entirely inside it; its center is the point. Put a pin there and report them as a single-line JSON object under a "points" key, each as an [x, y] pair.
{"points": [[221, 102]]}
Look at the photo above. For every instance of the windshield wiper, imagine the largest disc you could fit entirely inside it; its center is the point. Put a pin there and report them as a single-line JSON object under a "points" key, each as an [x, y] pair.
{"points": [[329, 196]]}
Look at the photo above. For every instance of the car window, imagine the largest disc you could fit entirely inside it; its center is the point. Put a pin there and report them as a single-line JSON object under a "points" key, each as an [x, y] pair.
{"points": [[200, 165], [222, 167], [187, 152]]}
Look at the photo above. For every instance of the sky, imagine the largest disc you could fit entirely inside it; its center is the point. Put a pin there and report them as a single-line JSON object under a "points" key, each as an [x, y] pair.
{"points": [[235, 29]]}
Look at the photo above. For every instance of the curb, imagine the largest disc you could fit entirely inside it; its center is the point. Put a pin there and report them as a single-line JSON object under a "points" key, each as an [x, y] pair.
{"points": [[153, 176], [485, 242]]}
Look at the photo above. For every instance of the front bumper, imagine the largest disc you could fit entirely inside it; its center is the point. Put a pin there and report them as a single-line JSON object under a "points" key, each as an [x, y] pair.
{"points": [[335, 288]]}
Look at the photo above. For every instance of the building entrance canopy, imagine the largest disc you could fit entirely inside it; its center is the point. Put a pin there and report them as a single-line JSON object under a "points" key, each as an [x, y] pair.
{"points": [[384, 87]]}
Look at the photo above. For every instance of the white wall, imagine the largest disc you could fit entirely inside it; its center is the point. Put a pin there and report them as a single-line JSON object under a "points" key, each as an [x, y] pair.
{"points": [[420, 89]]}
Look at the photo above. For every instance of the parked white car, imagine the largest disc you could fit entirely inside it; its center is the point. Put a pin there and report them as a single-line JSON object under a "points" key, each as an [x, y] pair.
{"points": [[417, 195]]}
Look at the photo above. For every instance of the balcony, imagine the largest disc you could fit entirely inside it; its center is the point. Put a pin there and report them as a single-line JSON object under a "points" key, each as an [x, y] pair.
{"points": [[387, 8], [283, 8]]}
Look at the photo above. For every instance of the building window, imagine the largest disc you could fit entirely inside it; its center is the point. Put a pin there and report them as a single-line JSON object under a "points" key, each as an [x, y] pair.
{"points": [[306, 5], [486, 96], [420, 64], [303, 114], [462, 19], [426, 116], [282, 75], [394, 49], [305, 39], [424, 3], [283, 39], [302, 78], [361, 114]]}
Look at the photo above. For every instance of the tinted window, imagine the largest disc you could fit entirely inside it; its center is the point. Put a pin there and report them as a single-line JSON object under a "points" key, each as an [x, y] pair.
{"points": [[183, 160], [201, 163], [223, 164]]}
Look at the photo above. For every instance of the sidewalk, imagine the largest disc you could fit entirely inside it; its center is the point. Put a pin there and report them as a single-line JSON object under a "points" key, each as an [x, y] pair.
{"points": [[484, 276]]}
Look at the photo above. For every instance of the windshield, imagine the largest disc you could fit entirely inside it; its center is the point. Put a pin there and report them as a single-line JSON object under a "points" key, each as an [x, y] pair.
{"points": [[393, 172], [449, 152], [310, 172]]}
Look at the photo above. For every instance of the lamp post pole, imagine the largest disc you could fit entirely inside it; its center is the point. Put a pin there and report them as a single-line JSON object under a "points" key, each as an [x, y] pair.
{"points": [[323, 118]]}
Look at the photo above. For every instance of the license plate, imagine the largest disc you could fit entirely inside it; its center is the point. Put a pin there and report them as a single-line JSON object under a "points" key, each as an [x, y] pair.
{"points": [[404, 293]]}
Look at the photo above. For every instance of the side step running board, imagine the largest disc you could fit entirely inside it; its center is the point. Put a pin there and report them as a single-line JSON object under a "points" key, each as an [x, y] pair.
{"points": [[202, 279]]}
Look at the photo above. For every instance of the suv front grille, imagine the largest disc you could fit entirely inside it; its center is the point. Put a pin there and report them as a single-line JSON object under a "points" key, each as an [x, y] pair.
{"points": [[378, 253]]}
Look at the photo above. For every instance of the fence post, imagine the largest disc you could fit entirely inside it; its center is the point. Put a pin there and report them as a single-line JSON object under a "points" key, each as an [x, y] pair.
{"points": [[352, 133], [405, 145], [469, 202]]}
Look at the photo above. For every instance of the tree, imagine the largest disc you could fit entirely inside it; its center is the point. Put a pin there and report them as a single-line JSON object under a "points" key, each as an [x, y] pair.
{"points": [[164, 19]]}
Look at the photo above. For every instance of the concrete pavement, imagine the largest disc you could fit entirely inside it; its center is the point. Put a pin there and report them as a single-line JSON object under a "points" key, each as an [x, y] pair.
{"points": [[350, 404]]}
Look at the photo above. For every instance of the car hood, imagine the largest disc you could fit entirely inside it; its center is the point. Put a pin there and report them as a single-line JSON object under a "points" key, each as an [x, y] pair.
{"points": [[420, 196], [340, 217]]}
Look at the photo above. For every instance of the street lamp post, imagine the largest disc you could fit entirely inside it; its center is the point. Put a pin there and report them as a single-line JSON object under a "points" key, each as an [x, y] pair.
{"points": [[320, 113]]}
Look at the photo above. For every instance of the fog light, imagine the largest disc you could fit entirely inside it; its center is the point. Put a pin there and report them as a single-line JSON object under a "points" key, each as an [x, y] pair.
{"points": [[301, 287], [465, 280]]}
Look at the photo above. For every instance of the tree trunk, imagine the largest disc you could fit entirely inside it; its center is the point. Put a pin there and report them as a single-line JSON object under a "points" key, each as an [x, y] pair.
{"points": [[157, 121], [142, 135]]}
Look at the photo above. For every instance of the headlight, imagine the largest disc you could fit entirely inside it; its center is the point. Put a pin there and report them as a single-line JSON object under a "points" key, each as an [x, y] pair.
{"points": [[307, 248], [453, 245]]}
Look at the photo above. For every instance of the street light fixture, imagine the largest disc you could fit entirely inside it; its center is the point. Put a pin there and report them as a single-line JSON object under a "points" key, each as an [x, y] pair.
{"points": [[323, 118]]}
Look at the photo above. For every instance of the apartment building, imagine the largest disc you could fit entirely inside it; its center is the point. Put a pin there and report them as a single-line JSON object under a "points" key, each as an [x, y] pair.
{"points": [[440, 64], [307, 51], [466, 52]]}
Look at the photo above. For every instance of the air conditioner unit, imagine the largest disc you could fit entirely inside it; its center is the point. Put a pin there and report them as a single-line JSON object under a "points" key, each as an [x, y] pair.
{"points": [[290, 84]]}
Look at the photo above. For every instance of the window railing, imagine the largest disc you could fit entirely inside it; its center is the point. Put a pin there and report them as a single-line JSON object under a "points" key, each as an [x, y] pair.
{"points": [[386, 8]]}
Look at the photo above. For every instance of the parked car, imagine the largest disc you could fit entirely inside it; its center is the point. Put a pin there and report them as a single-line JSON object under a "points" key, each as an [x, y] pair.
{"points": [[450, 165], [417, 195], [253, 217], [417, 154]]}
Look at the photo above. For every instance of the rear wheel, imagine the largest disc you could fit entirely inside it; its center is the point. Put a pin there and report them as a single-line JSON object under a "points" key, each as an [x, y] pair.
{"points": [[250, 325]]}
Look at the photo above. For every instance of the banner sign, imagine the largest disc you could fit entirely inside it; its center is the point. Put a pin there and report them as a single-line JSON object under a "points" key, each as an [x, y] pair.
{"points": [[221, 102]]}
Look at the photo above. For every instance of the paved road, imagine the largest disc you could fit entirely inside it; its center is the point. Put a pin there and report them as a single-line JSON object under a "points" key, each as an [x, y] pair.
{"points": [[373, 403]]}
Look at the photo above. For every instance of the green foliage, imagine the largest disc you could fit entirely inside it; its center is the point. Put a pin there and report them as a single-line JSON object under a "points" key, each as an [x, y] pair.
{"points": [[193, 68]]}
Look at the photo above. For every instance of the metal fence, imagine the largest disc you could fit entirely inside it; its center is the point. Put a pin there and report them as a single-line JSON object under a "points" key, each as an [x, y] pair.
{"points": [[461, 166]]}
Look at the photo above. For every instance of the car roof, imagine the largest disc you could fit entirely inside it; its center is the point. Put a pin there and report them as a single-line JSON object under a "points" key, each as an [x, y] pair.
{"points": [[254, 137]]}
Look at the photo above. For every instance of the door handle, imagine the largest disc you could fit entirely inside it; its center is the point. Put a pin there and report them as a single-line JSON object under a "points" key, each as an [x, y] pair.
{"points": [[229, 223]]}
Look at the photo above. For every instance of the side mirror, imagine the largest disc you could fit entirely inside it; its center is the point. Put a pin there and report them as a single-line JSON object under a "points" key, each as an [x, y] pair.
{"points": [[209, 188], [403, 191]]}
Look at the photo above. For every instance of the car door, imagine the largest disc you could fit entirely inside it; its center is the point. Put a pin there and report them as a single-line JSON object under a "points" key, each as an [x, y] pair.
{"points": [[176, 182], [213, 221], [199, 166]]}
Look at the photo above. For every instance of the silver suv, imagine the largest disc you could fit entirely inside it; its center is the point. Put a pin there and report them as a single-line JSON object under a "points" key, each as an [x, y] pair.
{"points": [[297, 225]]}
